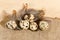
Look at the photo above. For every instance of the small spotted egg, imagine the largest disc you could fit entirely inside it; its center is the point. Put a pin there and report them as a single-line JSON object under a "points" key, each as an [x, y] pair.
{"points": [[24, 24], [11, 24], [43, 25], [33, 26]]}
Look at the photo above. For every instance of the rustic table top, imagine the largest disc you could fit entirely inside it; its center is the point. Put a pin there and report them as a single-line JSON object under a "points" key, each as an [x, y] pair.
{"points": [[53, 33]]}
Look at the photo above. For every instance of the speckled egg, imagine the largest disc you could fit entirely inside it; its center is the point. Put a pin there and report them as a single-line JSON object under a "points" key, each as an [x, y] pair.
{"points": [[33, 26], [24, 24], [11, 24], [43, 25]]}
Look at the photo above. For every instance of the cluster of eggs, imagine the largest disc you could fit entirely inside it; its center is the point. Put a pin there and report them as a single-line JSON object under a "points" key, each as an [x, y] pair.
{"points": [[28, 23]]}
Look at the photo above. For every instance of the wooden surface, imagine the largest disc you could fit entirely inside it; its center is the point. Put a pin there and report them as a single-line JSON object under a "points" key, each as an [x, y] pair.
{"points": [[53, 33]]}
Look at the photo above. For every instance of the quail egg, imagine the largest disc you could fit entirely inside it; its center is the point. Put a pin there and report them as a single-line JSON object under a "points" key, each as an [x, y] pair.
{"points": [[33, 26], [24, 24], [43, 25], [11, 24]]}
